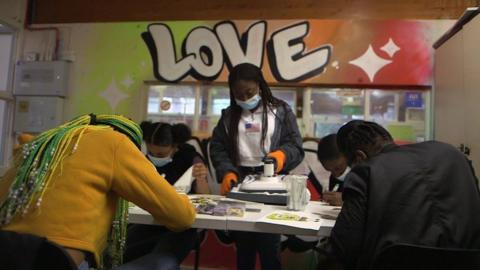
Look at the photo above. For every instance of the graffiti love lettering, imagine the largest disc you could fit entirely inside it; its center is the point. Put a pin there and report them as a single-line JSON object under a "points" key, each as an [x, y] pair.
{"points": [[205, 51]]}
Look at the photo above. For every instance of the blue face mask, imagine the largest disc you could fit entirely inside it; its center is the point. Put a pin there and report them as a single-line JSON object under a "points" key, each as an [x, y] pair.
{"points": [[159, 162], [249, 104]]}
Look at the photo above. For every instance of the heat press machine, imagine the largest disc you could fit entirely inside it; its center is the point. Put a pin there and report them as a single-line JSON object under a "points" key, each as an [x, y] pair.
{"points": [[262, 183], [264, 188]]}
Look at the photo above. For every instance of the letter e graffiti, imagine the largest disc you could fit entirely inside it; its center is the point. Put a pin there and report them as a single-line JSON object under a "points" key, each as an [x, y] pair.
{"points": [[286, 56]]}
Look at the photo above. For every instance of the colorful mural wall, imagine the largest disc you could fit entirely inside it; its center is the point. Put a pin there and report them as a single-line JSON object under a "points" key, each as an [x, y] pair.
{"points": [[112, 60], [315, 51]]}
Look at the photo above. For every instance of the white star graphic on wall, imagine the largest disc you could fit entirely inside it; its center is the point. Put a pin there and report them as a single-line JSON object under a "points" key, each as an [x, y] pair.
{"points": [[370, 63], [113, 95], [128, 81], [390, 48]]}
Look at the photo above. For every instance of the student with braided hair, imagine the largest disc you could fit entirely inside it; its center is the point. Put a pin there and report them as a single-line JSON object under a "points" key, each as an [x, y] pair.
{"points": [[67, 185], [172, 157], [419, 194], [255, 125], [168, 150]]}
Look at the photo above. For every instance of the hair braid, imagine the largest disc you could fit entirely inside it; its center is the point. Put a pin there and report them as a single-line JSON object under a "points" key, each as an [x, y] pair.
{"points": [[39, 160], [366, 136]]}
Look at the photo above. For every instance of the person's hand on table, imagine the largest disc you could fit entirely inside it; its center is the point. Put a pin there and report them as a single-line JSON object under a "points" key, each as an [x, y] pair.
{"points": [[333, 198]]}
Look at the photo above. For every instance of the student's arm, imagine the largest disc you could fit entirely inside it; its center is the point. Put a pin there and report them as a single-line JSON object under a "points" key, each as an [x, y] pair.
{"points": [[136, 179], [219, 152], [200, 173], [290, 141], [348, 232]]}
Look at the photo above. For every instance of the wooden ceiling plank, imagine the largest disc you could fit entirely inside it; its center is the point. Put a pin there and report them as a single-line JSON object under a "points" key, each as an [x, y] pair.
{"points": [[61, 11]]}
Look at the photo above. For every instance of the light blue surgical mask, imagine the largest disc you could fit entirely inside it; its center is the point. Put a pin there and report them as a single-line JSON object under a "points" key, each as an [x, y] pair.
{"points": [[159, 162], [249, 104]]}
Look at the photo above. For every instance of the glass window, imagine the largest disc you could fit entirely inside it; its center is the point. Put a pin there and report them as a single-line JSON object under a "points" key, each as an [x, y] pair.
{"points": [[154, 102], [411, 106], [401, 112], [382, 106], [171, 99], [172, 104], [220, 99], [289, 96], [331, 108]]}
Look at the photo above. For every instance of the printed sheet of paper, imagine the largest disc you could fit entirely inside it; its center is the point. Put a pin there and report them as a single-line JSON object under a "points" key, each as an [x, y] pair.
{"points": [[218, 206], [184, 183], [294, 219]]}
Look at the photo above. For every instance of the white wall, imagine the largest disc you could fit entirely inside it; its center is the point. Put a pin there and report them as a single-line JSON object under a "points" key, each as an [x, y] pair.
{"points": [[456, 90]]}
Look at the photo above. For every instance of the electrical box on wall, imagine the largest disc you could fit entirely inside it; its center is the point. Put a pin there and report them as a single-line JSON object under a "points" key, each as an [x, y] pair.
{"points": [[37, 114], [41, 78]]}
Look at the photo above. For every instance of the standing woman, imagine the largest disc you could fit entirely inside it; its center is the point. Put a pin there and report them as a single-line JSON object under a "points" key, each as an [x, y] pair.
{"points": [[149, 245], [255, 125]]}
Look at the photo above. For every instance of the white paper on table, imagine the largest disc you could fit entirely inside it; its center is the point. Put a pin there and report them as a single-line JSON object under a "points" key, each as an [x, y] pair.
{"points": [[309, 221], [184, 183]]}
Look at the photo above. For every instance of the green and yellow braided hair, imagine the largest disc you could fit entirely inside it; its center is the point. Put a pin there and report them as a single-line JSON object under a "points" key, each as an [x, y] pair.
{"points": [[39, 159]]}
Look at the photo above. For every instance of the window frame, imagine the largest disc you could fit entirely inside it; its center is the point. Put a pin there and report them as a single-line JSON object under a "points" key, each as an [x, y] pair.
{"points": [[6, 143]]}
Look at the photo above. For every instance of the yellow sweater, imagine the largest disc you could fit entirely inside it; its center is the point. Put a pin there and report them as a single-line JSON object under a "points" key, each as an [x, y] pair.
{"points": [[79, 205]]}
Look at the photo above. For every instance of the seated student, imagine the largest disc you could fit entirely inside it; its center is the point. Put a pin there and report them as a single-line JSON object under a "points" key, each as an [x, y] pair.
{"points": [[422, 194], [172, 157], [170, 153], [66, 183], [334, 162]]}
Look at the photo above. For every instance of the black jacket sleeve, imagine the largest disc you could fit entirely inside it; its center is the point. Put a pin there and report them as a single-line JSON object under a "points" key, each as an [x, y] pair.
{"points": [[348, 232], [291, 141], [219, 152]]}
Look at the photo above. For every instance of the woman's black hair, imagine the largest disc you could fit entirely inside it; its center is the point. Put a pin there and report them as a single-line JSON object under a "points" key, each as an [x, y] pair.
{"points": [[164, 134], [249, 72], [362, 135], [327, 148]]}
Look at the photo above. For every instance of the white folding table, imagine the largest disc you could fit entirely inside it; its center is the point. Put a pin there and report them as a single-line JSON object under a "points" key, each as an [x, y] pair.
{"points": [[250, 221]]}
